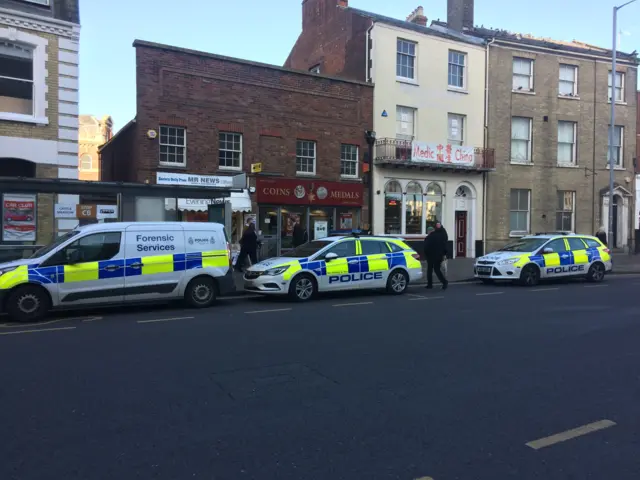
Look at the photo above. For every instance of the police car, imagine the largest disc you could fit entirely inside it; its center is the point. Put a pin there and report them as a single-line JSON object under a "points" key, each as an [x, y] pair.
{"points": [[337, 263], [546, 256], [111, 263]]}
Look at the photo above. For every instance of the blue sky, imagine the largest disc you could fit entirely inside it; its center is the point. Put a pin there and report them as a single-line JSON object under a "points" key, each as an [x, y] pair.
{"points": [[265, 31]]}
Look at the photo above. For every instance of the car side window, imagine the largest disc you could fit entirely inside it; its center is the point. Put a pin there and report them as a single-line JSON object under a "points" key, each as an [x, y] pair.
{"points": [[92, 248], [591, 243], [394, 248], [373, 247], [557, 245], [576, 244], [343, 249]]}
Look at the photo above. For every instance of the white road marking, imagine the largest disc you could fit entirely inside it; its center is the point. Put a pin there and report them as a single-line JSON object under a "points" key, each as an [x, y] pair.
{"points": [[424, 298], [274, 310], [415, 295], [93, 319], [22, 325], [489, 293], [544, 289], [569, 434], [155, 320], [595, 286], [350, 304], [15, 332]]}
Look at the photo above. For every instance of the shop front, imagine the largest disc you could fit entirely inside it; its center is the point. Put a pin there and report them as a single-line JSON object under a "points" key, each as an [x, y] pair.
{"points": [[318, 207]]}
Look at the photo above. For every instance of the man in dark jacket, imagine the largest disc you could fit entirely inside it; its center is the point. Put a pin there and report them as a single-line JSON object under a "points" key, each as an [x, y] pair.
{"points": [[435, 250]]}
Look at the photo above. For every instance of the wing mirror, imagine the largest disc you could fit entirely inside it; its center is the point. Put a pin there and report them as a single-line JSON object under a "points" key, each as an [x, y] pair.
{"points": [[547, 250], [330, 256]]}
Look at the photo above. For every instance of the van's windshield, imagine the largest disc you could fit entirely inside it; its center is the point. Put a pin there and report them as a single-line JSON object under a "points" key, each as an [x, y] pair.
{"points": [[52, 246]]}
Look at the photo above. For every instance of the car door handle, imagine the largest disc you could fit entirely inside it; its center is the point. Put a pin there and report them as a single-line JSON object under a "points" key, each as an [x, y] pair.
{"points": [[352, 262], [135, 265], [112, 268]]}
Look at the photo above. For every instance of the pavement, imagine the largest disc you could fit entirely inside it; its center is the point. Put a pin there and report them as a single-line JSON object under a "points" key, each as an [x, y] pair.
{"points": [[476, 382]]}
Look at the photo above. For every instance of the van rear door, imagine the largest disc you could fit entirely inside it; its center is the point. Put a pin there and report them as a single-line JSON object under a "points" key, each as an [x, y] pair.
{"points": [[153, 261]]}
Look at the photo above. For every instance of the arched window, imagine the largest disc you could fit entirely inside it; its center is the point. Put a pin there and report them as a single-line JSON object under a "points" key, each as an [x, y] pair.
{"points": [[86, 162], [392, 207], [414, 209], [434, 204]]}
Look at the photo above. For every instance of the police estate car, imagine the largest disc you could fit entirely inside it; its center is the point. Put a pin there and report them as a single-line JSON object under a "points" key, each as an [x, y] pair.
{"points": [[337, 263], [546, 256]]}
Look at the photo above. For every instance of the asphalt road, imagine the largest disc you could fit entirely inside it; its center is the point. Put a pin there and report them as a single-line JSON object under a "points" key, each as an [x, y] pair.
{"points": [[447, 385]]}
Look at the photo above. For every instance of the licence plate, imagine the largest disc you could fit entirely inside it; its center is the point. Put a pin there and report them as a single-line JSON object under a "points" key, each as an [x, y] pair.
{"points": [[484, 270]]}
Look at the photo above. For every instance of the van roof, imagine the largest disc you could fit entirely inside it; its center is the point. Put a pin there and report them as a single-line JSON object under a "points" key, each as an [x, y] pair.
{"points": [[192, 226]]}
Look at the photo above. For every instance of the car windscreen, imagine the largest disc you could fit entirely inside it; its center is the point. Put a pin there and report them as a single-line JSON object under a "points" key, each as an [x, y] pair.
{"points": [[308, 249], [52, 246], [524, 245]]}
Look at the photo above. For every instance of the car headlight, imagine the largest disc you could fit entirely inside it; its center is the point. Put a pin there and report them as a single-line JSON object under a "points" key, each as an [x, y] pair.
{"points": [[508, 261], [276, 271]]}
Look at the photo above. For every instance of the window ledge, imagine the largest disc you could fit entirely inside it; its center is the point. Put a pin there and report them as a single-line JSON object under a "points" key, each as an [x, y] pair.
{"points": [[457, 90], [526, 164], [567, 165], [21, 117], [230, 169], [173, 165], [569, 97], [518, 234], [408, 81], [619, 169], [350, 178], [618, 103], [524, 92], [303, 174]]}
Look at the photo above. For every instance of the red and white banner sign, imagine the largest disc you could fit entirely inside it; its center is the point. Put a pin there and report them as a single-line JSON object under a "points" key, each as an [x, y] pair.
{"points": [[19, 218], [442, 153]]}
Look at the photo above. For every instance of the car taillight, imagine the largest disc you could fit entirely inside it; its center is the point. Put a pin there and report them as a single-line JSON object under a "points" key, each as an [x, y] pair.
{"points": [[416, 256]]}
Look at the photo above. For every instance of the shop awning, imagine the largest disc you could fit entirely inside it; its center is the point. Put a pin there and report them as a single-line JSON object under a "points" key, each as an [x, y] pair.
{"points": [[240, 202]]}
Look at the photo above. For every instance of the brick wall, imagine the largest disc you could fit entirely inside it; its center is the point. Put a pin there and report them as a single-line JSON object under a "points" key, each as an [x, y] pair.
{"points": [[270, 106], [46, 225], [544, 178], [333, 38]]}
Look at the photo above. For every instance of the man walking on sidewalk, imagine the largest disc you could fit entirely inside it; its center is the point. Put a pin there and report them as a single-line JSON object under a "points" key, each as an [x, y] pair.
{"points": [[435, 250]]}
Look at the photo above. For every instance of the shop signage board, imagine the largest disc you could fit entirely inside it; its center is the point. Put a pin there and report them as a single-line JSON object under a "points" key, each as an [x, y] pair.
{"points": [[308, 192], [423, 152], [86, 211], [106, 211], [19, 218], [169, 178], [65, 210]]}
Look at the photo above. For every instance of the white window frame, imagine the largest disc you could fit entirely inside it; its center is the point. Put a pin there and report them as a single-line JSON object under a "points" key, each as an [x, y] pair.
{"points": [[520, 233], [464, 70], [622, 89], [314, 157], [344, 160], [563, 211], [574, 145], [514, 75], [400, 110], [529, 159], [574, 86], [39, 46], [620, 162], [220, 149], [462, 127], [184, 145], [414, 57]]}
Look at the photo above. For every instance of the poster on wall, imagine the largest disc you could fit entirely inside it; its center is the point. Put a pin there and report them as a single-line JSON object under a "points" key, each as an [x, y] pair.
{"points": [[320, 229], [19, 218], [346, 221], [292, 219]]}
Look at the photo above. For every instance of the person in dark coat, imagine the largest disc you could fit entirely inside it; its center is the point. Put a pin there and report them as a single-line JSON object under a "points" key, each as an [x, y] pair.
{"points": [[435, 251], [601, 235], [300, 236], [248, 247]]}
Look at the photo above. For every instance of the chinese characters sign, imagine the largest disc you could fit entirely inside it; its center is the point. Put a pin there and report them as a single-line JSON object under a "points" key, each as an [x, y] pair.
{"points": [[424, 152]]}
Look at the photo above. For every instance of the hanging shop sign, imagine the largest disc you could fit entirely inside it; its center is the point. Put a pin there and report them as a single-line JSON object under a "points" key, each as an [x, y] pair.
{"points": [[423, 152]]}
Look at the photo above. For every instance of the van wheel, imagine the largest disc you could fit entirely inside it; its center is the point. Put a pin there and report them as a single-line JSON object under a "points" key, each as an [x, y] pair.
{"points": [[596, 272], [29, 303], [530, 276], [201, 292], [303, 288], [397, 282]]}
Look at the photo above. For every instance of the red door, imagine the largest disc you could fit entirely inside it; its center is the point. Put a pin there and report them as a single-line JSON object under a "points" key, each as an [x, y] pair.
{"points": [[461, 234]]}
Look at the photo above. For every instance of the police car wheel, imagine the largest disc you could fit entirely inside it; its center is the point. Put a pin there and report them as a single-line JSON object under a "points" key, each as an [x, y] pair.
{"points": [[201, 292], [397, 282], [302, 288], [596, 273], [530, 276], [28, 304]]}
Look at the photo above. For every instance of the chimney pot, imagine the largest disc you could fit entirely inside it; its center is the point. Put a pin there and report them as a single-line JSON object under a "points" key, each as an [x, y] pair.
{"points": [[417, 17], [343, 3]]}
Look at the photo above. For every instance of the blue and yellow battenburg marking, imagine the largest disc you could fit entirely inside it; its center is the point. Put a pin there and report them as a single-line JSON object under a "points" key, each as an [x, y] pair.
{"points": [[129, 267]]}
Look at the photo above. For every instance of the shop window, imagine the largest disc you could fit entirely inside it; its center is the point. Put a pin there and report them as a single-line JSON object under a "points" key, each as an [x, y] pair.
{"points": [[392, 208], [413, 211], [434, 204]]}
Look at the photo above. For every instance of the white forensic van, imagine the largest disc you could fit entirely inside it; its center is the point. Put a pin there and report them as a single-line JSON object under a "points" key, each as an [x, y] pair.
{"points": [[111, 263]]}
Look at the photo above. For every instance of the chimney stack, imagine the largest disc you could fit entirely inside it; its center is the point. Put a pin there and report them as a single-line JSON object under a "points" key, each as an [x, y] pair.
{"points": [[417, 17], [460, 15], [343, 3]]}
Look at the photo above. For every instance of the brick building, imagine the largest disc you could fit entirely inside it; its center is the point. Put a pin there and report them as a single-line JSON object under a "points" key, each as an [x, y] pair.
{"points": [[39, 43], [203, 117], [94, 132]]}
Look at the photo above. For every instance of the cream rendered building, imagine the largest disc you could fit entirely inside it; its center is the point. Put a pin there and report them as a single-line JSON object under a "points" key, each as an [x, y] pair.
{"points": [[429, 93]]}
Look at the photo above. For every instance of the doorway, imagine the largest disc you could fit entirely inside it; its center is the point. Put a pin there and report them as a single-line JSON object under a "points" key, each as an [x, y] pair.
{"points": [[461, 234]]}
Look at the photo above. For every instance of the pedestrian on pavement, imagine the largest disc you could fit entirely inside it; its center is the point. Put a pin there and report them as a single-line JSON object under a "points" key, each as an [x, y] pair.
{"points": [[435, 251], [601, 235], [248, 247]]}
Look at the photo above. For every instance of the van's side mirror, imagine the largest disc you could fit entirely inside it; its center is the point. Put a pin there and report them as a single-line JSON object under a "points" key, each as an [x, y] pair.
{"points": [[547, 250], [330, 256]]}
